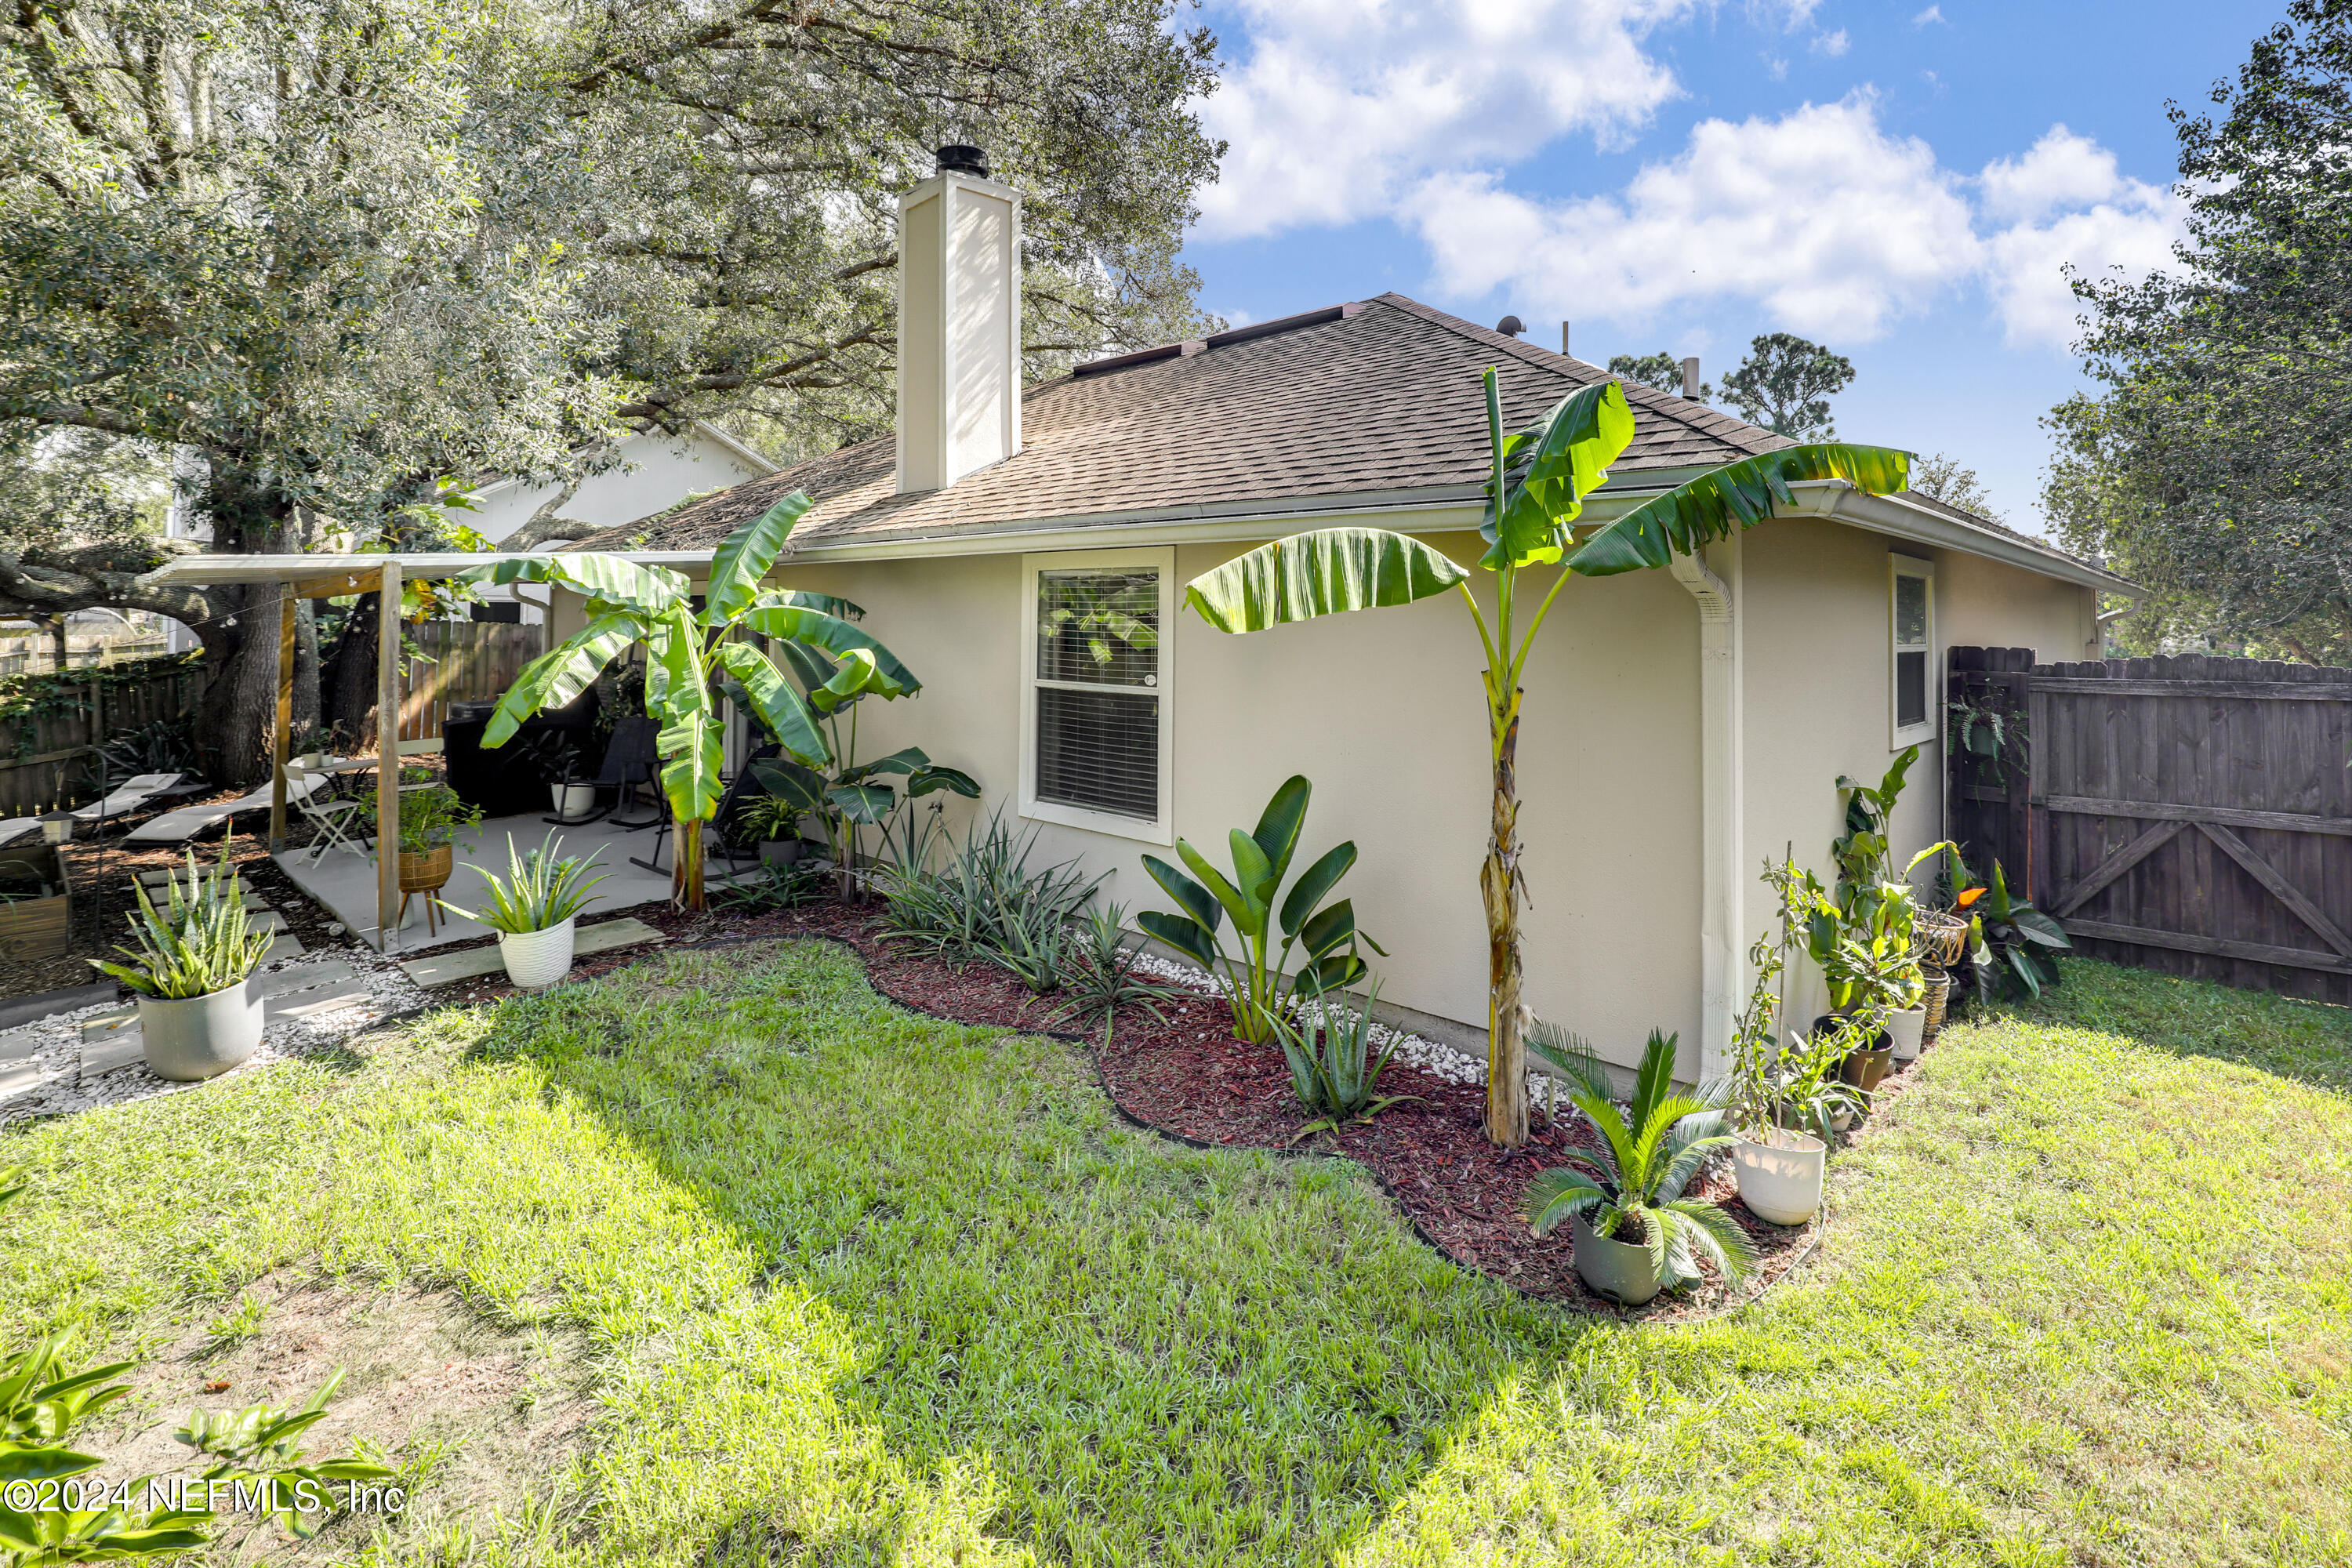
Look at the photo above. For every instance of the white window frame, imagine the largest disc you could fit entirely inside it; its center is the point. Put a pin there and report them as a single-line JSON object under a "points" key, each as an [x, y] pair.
{"points": [[1161, 829], [1899, 734]]}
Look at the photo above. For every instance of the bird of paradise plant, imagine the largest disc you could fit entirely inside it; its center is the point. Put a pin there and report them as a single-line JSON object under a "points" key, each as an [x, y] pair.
{"points": [[1538, 481]]}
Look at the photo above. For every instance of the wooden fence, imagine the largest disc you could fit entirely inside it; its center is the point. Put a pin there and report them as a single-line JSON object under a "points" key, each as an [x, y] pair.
{"points": [[462, 661], [44, 764], [2188, 814]]}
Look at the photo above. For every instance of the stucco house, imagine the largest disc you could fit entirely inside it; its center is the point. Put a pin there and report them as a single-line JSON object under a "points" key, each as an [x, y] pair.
{"points": [[1679, 726]]}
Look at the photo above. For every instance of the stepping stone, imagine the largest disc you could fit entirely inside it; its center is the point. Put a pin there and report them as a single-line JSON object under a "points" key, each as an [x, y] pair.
{"points": [[17, 1045], [449, 968], [125, 1050], [315, 999], [18, 1078], [34, 1009], [156, 878], [303, 975], [288, 946]]}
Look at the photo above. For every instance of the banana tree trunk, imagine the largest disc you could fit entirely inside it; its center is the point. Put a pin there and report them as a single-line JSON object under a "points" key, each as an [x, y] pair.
{"points": [[686, 866], [1507, 1058]]}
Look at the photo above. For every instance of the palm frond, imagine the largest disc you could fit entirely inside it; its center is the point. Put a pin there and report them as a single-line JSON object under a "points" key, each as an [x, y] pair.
{"points": [[1558, 1193], [1714, 1234]]}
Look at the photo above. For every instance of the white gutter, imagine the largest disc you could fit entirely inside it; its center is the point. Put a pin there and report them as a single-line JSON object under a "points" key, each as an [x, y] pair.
{"points": [[1901, 517], [1721, 809]]}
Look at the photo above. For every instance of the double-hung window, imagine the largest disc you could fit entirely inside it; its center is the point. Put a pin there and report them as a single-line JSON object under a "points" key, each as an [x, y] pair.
{"points": [[1911, 627], [1095, 722]]}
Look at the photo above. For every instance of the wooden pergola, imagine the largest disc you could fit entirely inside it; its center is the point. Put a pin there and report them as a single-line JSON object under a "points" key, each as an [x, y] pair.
{"points": [[322, 576]]}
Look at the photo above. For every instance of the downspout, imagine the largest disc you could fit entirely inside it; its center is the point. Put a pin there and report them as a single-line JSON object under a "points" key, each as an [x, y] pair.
{"points": [[1720, 807]]}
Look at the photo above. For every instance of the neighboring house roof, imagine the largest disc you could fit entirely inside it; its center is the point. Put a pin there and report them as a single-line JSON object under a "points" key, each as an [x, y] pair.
{"points": [[1369, 404]]}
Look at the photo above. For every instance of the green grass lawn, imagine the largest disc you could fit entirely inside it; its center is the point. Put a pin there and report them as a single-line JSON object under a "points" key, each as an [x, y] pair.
{"points": [[860, 1287]]}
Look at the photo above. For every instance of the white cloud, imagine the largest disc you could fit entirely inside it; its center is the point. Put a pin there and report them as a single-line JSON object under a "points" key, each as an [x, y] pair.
{"points": [[1821, 219], [1832, 44], [1932, 14], [1343, 104], [2067, 203]]}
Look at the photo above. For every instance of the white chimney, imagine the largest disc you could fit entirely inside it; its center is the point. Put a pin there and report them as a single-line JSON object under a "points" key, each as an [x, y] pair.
{"points": [[959, 323]]}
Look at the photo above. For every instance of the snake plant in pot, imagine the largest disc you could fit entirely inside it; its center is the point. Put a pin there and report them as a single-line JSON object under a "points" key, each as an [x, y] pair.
{"points": [[196, 1017], [534, 909]]}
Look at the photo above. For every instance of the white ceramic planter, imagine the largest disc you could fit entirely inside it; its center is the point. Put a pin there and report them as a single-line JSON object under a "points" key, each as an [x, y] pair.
{"points": [[1617, 1269], [193, 1037], [1781, 1182], [572, 800], [537, 959], [1904, 1029]]}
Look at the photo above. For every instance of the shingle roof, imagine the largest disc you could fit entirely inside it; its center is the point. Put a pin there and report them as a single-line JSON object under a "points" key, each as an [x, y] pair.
{"points": [[1383, 397]]}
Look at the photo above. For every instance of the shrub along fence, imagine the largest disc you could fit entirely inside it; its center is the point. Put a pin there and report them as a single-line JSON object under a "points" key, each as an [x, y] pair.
{"points": [[2190, 814], [51, 721]]}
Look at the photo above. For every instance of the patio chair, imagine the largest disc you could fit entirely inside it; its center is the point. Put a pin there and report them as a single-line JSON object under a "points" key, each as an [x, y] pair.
{"points": [[633, 757], [15, 827], [127, 797], [742, 785], [178, 826], [333, 820]]}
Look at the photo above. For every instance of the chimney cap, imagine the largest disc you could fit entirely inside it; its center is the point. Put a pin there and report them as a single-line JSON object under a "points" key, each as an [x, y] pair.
{"points": [[962, 158], [1510, 326]]}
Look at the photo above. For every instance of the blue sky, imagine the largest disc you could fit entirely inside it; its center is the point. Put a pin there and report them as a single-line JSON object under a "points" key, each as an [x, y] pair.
{"points": [[1901, 181]]}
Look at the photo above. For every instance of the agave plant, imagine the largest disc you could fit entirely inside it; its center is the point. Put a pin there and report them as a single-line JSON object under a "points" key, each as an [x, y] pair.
{"points": [[199, 942], [1539, 476], [1649, 1154], [1332, 1069], [540, 891]]}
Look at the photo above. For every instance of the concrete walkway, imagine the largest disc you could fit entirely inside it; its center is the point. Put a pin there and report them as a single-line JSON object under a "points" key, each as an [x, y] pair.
{"points": [[344, 882]]}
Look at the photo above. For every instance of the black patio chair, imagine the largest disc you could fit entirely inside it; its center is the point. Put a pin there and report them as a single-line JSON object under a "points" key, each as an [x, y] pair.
{"points": [[632, 758], [743, 784]]}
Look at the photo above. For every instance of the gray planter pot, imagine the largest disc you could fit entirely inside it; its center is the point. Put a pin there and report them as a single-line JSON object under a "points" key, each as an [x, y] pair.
{"points": [[783, 852], [201, 1037], [1617, 1269]]}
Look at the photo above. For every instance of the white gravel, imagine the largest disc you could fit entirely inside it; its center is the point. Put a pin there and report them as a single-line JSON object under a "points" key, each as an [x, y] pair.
{"points": [[56, 1086], [1432, 1056]]}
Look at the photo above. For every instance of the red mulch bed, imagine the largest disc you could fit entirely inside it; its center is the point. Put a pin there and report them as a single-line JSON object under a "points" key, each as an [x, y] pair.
{"points": [[1191, 1077]]}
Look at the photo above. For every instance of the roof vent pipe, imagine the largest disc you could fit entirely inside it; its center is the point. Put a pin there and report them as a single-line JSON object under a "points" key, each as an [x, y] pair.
{"points": [[1690, 377], [1563, 340], [1510, 326], [961, 158]]}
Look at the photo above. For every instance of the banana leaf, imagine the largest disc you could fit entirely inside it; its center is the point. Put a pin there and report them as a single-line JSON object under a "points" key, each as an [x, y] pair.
{"points": [[1328, 571], [1548, 469], [1722, 501], [744, 556]]}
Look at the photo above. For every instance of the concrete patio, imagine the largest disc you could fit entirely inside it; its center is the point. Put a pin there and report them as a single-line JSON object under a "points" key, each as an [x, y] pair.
{"points": [[345, 882]]}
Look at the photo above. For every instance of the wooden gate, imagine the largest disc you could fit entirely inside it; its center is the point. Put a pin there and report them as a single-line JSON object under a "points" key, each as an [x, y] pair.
{"points": [[461, 661], [2190, 814]]}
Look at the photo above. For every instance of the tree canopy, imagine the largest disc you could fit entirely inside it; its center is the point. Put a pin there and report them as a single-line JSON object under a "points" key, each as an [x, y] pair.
{"points": [[1785, 385], [2209, 465], [338, 249]]}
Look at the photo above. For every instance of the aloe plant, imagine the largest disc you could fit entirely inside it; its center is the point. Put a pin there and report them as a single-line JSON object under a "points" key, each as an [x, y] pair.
{"points": [[1539, 478], [198, 942], [539, 892], [1649, 1154], [1332, 1068]]}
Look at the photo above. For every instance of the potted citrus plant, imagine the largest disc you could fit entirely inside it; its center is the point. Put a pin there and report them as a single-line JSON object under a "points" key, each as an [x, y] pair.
{"points": [[534, 909], [189, 971], [430, 820], [1784, 1098]]}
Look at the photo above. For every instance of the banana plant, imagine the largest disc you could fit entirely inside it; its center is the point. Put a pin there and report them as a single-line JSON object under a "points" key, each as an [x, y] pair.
{"points": [[1539, 477], [688, 651], [1259, 984]]}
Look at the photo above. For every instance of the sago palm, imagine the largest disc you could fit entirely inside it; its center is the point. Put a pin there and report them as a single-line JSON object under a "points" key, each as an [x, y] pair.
{"points": [[1649, 1154]]}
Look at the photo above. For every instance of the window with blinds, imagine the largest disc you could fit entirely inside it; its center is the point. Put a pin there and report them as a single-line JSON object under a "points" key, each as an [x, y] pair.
{"points": [[1097, 688], [1911, 616]]}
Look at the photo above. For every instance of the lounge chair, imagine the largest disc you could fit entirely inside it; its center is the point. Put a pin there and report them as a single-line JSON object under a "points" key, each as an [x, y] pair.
{"points": [[176, 826], [128, 797], [15, 827]]}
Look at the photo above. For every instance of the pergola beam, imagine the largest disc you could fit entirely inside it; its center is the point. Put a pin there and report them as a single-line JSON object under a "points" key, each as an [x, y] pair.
{"points": [[387, 756], [283, 746]]}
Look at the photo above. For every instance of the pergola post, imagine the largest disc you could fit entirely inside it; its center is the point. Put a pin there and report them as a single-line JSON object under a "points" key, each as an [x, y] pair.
{"points": [[284, 746], [387, 757]]}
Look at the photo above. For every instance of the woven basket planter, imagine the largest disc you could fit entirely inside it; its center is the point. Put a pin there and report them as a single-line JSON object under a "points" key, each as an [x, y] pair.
{"points": [[1941, 938], [1939, 992]]}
